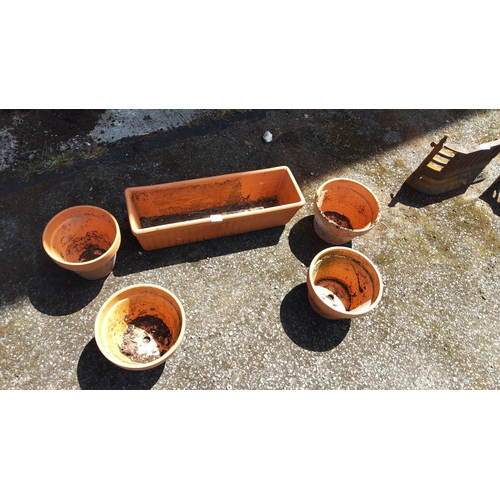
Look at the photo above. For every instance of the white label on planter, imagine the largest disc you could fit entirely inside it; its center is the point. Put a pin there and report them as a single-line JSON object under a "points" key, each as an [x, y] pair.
{"points": [[216, 218]]}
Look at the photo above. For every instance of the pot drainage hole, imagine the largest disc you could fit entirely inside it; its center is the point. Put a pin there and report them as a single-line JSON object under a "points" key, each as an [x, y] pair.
{"points": [[339, 219], [91, 252], [145, 339], [339, 291]]}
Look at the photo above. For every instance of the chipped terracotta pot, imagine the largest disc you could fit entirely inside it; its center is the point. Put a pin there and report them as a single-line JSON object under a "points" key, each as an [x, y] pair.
{"points": [[342, 283], [175, 213], [344, 209], [83, 239], [130, 306]]}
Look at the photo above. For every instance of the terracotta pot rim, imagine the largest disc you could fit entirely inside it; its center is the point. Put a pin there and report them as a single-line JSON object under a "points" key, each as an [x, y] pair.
{"points": [[361, 259], [134, 366], [323, 187], [90, 264]]}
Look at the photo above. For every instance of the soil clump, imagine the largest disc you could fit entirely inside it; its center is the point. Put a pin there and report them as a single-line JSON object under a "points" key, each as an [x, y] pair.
{"points": [[339, 219], [90, 253], [161, 220], [145, 339]]}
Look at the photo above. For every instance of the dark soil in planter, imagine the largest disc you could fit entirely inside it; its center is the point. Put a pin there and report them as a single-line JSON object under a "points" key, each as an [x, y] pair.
{"points": [[204, 214], [338, 288], [145, 339], [339, 219], [91, 252]]}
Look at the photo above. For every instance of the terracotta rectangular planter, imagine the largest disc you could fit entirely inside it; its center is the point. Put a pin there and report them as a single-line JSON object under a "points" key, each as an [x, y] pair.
{"points": [[165, 215]]}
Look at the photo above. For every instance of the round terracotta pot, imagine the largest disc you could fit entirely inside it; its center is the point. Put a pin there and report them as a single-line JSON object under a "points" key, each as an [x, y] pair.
{"points": [[342, 283], [344, 209], [83, 239], [130, 307]]}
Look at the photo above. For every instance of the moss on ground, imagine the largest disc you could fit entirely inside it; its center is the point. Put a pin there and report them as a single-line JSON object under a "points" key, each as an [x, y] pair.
{"points": [[47, 161]]}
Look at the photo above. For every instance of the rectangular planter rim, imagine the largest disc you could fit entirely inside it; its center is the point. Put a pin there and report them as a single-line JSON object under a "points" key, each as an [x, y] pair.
{"points": [[206, 220]]}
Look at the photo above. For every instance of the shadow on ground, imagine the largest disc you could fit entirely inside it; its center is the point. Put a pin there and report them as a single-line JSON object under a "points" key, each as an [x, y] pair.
{"points": [[95, 372], [492, 196], [57, 292], [305, 327], [411, 198], [305, 243], [133, 259]]}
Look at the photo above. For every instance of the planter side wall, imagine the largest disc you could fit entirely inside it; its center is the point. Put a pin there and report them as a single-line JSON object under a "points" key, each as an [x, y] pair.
{"points": [[212, 193]]}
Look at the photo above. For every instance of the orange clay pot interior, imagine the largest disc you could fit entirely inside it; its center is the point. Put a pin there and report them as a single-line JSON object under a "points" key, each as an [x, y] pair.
{"points": [[350, 276], [198, 209], [81, 235], [123, 308], [343, 210], [351, 200]]}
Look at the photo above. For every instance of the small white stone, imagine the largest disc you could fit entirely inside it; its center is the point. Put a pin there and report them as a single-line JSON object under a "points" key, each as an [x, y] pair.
{"points": [[268, 137]]}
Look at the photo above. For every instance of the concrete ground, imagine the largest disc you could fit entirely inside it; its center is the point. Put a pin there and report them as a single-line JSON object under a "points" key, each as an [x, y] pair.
{"points": [[249, 324]]}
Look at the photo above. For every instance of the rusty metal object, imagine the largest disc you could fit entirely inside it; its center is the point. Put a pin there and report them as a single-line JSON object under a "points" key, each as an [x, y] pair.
{"points": [[447, 168]]}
